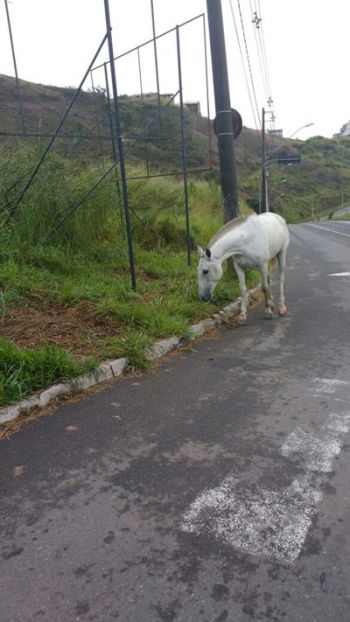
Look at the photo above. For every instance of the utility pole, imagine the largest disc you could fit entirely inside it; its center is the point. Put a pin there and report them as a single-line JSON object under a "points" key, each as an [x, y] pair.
{"points": [[224, 121], [264, 203]]}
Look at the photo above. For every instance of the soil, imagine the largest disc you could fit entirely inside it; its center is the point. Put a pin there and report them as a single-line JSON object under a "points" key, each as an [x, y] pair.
{"points": [[76, 329]]}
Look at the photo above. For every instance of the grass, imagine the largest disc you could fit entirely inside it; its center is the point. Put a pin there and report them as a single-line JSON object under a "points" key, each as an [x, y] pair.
{"points": [[345, 216], [25, 370], [133, 346], [67, 301], [165, 304]]}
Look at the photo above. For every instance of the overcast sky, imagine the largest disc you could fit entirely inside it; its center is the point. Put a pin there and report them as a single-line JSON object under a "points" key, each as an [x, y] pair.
{"points": [[306, 43]]}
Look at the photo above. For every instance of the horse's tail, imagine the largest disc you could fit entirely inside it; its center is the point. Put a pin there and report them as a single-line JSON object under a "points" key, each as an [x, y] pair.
{"points": [[273, 264]]}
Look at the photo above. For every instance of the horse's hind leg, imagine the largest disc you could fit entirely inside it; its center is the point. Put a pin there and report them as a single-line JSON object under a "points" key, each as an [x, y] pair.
{"points": [[265, 285], [282, 266], [272, 266]]}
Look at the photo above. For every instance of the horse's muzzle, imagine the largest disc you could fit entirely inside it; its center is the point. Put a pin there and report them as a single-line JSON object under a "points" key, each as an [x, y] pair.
{"points": [[205, 297]]}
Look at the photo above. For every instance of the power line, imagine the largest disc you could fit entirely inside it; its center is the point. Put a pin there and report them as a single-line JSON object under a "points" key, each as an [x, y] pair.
{"points": [[243, 65], [248, 61], [263, 47], [258, 23]]}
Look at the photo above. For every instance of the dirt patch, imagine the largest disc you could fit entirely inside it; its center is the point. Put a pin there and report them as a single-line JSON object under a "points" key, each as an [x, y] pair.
{"points": [[76, 329]]}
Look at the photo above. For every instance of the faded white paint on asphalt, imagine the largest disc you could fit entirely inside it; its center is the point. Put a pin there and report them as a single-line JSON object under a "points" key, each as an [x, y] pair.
{"points": [[267, 522], [318, 452], [328, 385], [259, 522]]}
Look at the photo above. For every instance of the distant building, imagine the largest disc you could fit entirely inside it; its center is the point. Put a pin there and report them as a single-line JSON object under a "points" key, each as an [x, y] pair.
{"points": [[276, 132], [345, 130], [193, 107], [152, 96]]}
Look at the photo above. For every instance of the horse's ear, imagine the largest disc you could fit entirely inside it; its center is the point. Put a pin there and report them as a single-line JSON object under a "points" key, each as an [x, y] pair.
{"points": [[208, 252], [200, 251]]}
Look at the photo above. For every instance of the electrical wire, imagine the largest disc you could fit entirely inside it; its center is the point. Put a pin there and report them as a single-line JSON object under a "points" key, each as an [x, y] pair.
{"points": [[243, 65], [256, 27], [263, 55], [248, 61]]}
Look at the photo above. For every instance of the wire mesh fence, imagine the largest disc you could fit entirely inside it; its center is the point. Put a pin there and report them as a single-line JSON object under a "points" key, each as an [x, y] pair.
{"points": [[65, 166]]}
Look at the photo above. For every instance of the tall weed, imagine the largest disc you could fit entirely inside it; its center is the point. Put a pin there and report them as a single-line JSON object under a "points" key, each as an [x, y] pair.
{"points": [[25, 370]]}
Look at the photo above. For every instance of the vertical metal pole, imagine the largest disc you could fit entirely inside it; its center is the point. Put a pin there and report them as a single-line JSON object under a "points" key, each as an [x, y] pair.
{"points": [[224, 122], [183, 147], [110, 117], [98, 121], [114, 149], [210, 147], [15, 67], [156, 63], [143, 110], [264, 197], [120, 146]]}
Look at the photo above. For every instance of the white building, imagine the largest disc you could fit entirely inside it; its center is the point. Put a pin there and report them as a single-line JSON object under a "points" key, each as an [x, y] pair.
{"points": [[345, 130]]}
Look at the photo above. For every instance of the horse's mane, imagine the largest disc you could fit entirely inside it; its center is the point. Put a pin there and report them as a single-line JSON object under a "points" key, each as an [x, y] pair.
{"points": [[231, 224]]}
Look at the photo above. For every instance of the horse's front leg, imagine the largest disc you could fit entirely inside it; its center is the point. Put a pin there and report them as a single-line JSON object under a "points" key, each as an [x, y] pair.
{"points": [[265, 285], [242, 318]]}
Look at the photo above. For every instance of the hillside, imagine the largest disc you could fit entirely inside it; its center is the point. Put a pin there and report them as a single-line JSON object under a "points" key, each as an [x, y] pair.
{"points": [[66, 298], [319, 182], [43, 107]]}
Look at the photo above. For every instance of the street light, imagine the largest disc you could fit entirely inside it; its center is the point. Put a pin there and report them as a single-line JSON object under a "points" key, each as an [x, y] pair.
{"points": [[266, 160], [303, 127]]}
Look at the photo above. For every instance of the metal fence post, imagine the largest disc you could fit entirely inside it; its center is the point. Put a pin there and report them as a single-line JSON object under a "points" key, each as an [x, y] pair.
{"points": [[183, 147], [120, 146]]}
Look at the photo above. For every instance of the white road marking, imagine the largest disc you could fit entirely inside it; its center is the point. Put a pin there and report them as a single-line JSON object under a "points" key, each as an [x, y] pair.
{"points": [[259, 522], [347, 235], [340, 274], [268, 522], [318, 452], [329, 385]]}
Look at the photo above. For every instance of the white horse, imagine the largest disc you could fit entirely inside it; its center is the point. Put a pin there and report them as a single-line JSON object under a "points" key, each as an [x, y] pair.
{"points": [[252, 241]]}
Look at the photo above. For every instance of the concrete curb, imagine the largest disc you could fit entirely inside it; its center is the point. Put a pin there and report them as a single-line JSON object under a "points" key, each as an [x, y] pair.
{"points": [[113, 369]]}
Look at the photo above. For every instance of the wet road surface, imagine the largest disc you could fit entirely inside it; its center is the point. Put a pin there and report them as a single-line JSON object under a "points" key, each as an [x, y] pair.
{"points": [[215, 488]]}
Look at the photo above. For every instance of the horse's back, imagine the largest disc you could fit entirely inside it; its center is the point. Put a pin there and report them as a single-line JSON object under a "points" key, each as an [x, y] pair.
{"points": [[268, 234], [275, 226]]}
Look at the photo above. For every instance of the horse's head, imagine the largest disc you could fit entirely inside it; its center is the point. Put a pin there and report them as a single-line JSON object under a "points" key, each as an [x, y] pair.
{"points": [[209, 274]]}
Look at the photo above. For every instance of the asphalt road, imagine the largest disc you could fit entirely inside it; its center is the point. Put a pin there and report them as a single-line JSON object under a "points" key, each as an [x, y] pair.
{"points": [[215, 488], [339, 212]]}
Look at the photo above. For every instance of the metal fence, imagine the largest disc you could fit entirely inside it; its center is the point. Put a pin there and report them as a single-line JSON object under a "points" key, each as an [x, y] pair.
{"points": [[114, 146]]}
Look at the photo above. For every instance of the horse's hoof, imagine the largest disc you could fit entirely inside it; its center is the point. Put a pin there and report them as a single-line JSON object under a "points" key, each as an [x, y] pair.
{"points": [[268, 315], [282, 311]]}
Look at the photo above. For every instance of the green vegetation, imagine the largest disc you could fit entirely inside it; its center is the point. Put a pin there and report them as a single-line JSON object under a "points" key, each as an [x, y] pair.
{"points": [[65, 294], [342, 217], [22, 370], [315, 187], [73, 290]]}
